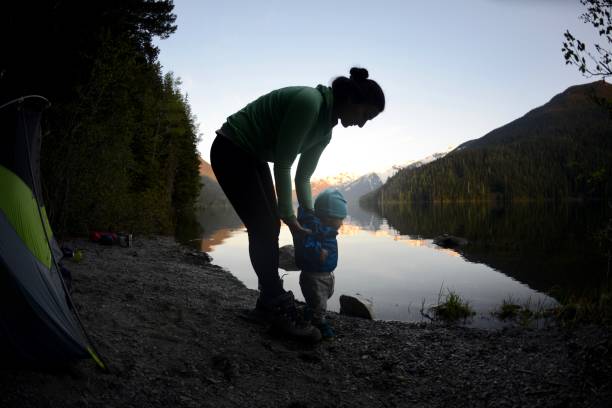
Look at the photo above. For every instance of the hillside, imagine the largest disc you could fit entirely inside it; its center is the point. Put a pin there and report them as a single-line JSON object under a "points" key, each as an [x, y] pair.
{"points": [[206, 170], [384, 176], [211, 194], [560, 150]]}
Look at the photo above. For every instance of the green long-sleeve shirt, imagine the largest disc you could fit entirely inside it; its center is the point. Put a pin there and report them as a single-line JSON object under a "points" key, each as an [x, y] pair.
{"points": [[280, 125]]}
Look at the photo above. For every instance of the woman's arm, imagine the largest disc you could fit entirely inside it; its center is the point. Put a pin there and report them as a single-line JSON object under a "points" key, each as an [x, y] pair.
{"points": [[306, 166], [301, 115]]}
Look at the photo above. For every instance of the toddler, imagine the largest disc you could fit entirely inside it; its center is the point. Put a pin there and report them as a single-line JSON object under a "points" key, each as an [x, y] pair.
{"points": [[316, 254]]}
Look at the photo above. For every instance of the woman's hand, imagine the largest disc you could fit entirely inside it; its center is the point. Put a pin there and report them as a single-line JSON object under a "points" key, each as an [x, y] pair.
{"points": [[324, 255], [295, 227]]}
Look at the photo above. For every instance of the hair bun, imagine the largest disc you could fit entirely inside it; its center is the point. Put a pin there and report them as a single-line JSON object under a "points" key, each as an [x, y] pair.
{"points": [[359, 74]]}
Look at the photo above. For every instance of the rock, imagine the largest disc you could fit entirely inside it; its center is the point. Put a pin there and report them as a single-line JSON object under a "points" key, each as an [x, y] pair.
{"points": [[201, 255], [356, 306], [286, 258], [449, 241]]}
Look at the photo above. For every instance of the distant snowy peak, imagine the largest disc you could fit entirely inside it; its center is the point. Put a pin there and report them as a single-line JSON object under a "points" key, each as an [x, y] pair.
{"points": [[384, 176], [353, 190], [351, 186], [391, 171], [338, 180], [341, 179], [368, 182]]}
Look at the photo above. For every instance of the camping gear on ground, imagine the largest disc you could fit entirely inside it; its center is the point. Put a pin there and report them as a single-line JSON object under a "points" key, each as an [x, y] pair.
{"points": [[124, 240], [67, 252], [104, 238], [39, 324]]}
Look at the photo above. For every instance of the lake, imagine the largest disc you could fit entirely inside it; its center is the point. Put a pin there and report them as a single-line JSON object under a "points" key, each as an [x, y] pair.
{"points": [[526, 253]]}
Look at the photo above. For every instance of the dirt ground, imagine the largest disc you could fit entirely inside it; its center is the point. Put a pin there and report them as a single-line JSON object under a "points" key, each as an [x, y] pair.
{"points": [[168, 324]]}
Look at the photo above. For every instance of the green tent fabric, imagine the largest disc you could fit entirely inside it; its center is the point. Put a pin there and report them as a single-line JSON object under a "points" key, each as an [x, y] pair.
{"points": [[38, 323]]}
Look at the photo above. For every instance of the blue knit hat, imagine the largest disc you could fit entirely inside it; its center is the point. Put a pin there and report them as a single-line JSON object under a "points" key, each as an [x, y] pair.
{"points": [[330, 203]]}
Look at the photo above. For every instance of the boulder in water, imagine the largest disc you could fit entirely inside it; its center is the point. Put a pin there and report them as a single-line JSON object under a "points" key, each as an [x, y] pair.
{"points": [[286, 258], [449, 241], [356, 306]]}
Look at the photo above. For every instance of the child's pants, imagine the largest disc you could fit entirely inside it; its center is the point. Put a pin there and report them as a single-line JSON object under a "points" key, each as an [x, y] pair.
{"points": [[317, 287]]}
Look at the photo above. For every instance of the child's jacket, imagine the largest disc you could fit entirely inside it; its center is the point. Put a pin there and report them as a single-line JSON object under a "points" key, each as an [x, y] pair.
{"points": [[308, 247]]}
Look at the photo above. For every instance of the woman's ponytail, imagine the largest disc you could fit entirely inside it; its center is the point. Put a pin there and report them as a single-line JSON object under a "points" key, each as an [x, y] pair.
{"points": [[359, 89]]}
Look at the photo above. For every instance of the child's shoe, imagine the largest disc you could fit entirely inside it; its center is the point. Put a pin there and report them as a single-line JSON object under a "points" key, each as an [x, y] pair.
{"points": [[327, 332]]}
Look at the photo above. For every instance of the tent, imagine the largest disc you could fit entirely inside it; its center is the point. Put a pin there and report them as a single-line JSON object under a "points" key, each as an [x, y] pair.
{"points": [[39, 325]]}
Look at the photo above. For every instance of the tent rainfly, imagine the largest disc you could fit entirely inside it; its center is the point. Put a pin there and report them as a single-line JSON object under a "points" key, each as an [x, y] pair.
{"points": [[39, 325]]}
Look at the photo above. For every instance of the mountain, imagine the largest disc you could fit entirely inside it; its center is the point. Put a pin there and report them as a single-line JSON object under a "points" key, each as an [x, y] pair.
{"points": [[560, 150], [351, 186], [206, 170], [384, 176], [353, 190], [211, 194], [578, 106], [336, 181]]}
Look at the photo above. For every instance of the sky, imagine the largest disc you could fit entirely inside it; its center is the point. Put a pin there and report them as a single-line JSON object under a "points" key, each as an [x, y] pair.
{"points": [[451, 70]]}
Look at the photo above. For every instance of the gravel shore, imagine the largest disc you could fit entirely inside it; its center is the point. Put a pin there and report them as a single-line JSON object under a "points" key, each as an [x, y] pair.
{"points": [[167, 322]]}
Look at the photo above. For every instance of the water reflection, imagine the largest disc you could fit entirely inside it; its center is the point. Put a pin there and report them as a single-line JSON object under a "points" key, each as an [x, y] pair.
{"points": [[389, 257], [210, 241], [552, 247], [365, 219], [217, 224]]}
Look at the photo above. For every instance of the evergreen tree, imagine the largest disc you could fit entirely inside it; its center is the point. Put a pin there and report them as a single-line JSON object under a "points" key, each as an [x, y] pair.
{"points": [[559, 151], [119, 149]]}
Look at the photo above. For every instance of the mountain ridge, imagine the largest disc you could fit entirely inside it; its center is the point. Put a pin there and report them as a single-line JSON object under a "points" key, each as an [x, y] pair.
{"points": [[560, 150], [564, 103], [211, 194]]}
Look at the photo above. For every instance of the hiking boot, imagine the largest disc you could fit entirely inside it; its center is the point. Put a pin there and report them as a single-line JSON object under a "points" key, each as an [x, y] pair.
{"points": [[307, 313], [283, 317]]}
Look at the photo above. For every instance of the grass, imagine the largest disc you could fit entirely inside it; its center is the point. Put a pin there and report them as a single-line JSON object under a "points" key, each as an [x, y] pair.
{"points": [[595, 309], [509, 310], [525, 314], [451, 308], [571, 309]]}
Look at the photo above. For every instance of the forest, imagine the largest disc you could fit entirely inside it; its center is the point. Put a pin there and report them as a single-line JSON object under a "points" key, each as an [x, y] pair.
{"points": [[119, 138], [560, 151]]}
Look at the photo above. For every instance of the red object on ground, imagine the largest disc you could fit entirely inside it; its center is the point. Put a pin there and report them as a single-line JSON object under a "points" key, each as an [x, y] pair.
{"points": [[95, 236]]}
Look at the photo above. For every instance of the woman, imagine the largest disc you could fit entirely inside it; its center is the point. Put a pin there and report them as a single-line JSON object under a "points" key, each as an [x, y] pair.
{"points": [[276, 128]]}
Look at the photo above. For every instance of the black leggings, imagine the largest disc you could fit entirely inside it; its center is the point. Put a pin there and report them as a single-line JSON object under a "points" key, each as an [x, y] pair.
{"points": [[247, 183]]}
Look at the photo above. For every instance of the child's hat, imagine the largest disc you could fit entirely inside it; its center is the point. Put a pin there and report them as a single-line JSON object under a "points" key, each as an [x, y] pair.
{"points": [[331, 203]]}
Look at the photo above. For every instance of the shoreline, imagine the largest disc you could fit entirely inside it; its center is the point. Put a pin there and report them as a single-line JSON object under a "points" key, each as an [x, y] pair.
{"points": [[167, 323]]}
